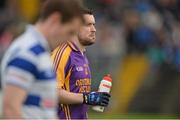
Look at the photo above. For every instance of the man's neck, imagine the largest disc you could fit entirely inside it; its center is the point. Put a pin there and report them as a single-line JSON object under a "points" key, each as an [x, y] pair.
{"points": [[81, 47], [43, 30]]}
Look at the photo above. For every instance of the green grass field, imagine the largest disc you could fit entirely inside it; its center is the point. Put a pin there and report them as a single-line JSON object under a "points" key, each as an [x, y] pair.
{"points": [[96, 115]]}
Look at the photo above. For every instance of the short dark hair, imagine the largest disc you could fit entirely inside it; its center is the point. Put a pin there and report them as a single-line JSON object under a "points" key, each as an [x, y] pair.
{"points": [[87, 11], [67, 8]]}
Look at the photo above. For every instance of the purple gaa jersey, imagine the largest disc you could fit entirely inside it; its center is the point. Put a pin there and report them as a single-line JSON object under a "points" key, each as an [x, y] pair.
{"points": [[73, 75]]}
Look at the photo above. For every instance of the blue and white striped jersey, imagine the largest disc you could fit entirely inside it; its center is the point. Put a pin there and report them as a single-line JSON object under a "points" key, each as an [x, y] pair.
{"points": [[27, 64]]}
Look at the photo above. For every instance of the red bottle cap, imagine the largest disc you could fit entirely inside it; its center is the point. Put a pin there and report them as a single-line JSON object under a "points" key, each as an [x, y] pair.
{"points": [[107, 77]]}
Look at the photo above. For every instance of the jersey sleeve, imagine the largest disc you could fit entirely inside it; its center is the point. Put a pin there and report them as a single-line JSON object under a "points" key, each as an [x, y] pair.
{"points": [[61, 59], [21, 70]]}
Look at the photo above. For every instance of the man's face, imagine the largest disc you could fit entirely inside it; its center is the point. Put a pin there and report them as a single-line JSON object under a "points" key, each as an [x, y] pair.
{"points": [[63, 31], [87, 32]]}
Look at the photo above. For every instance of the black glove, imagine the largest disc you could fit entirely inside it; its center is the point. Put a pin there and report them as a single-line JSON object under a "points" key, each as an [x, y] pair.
{"points": [[96, 98]]}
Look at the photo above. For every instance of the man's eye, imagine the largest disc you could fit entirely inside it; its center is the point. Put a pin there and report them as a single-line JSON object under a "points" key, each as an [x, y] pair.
{"points": [[72, 33], [87, 24]]}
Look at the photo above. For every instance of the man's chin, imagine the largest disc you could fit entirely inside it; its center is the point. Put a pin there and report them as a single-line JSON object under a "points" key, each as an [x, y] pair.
{"points": [[88, 43]]}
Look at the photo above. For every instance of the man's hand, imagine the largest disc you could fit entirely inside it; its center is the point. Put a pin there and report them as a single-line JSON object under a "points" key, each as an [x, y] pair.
{"points": [[96, 98]]}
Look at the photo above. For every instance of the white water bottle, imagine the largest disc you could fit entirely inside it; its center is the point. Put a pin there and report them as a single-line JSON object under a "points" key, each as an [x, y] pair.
{"points": [[105, 86]]}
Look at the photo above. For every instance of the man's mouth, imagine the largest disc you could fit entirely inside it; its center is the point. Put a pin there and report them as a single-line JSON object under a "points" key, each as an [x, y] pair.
{"points": [[92, 35]]}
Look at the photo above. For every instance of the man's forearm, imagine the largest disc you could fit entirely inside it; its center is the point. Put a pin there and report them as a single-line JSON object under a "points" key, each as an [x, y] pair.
{"points": [[66, 97], [13, 101]]}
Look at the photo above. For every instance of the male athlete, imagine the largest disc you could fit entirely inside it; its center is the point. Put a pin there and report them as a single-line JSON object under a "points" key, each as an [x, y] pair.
{"points": [[29, 84], [73, 73]]}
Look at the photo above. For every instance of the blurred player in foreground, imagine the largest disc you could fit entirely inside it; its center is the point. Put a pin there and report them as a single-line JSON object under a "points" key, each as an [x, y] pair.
{"points": [[73, 73], [29, 85]]}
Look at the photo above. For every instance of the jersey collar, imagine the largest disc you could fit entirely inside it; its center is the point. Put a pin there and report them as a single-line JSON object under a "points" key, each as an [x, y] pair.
{"points": [[73, 46]]}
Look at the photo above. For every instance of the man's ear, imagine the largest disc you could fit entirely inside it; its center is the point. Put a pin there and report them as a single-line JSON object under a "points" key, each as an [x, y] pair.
{"points": [[55, 18]]}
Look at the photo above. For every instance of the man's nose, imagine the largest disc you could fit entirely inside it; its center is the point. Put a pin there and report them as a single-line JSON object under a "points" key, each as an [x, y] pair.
{"points": [[93, 29]]}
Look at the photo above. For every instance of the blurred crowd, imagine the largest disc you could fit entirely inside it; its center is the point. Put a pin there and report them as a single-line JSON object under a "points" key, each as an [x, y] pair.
{"points": [[138, 43]]}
